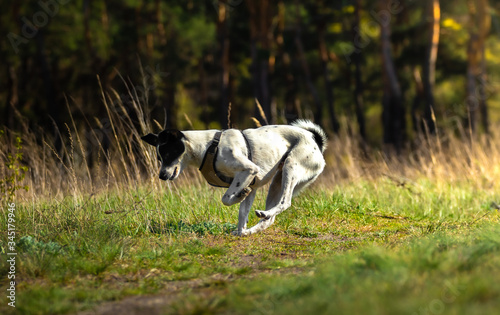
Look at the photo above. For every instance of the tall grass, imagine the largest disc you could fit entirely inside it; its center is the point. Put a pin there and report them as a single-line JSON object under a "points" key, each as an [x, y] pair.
{"points": [[120, 160], [127, 162], [115, 227], [445, 158]]}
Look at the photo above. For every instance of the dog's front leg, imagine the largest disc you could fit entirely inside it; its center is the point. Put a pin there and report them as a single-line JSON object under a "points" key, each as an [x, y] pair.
{"points": [[239, 190], [245, 207]]}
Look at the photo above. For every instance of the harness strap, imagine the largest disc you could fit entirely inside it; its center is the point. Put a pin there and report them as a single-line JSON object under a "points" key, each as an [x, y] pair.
{"points": [[248, 148], [249, 152], [208, 168]]}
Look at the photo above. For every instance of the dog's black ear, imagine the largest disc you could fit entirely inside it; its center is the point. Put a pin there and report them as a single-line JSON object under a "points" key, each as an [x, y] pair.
{"points": [[150, 138], [176, 133], [170, 136]]}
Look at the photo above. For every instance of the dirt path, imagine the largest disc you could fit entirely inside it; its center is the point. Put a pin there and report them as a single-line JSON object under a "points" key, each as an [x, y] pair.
{"points": [[164, 302], [203, 291]]}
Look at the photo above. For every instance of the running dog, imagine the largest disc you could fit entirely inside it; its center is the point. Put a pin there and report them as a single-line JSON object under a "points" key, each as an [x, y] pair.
{"points": [[290, 156]]}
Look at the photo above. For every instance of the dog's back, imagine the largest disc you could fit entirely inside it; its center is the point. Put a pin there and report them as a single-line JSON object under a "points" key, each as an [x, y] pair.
{"points": [[272, 144]]}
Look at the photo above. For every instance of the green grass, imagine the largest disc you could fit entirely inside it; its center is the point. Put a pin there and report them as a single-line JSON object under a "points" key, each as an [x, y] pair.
{"points": [[375, 247], [448, 273]]}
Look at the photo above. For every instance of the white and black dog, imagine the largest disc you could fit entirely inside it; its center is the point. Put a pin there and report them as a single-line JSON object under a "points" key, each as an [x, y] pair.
{"points": [[290, 156]]}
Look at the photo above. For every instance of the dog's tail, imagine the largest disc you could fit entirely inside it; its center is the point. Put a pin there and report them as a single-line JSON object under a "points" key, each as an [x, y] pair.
{"points": [[318, 132]]}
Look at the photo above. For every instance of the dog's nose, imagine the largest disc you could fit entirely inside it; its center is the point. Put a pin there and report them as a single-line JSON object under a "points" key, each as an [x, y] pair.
{"points": [[163, 176]]}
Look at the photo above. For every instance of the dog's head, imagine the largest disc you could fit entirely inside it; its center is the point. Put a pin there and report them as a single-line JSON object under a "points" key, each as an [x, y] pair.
{"points": [[170, 150]]}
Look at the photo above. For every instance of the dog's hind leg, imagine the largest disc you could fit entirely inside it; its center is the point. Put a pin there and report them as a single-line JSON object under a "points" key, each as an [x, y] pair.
{"points": [[296, 174], [274, 194], [273, 198], [278, 201], [245, 207], [261, 226]]}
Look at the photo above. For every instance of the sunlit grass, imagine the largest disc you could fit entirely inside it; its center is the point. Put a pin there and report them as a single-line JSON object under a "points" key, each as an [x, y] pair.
{"points": [[446, 273], [377, 233], [143, 241]]}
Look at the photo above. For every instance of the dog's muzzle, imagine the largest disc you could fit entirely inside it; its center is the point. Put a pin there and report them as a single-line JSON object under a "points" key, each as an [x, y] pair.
{"points": [[165, 176]]}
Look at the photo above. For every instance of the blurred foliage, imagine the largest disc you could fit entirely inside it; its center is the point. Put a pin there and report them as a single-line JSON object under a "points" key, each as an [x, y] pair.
{"points": [[53, 51], [29, 244], [13, 171]]}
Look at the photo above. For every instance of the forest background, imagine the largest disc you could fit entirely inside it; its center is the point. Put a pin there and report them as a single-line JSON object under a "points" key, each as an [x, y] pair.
{"points": [[385, 70], [405, 212]]}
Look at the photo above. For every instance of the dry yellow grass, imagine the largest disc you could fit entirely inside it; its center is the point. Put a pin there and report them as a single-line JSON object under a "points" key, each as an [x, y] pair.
{"points": [[447, 157]]}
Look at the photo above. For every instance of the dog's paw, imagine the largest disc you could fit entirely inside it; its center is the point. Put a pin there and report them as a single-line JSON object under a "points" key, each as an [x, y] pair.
{"points": [[244, 193], [230, 199], [262, 214], [245, 232]]}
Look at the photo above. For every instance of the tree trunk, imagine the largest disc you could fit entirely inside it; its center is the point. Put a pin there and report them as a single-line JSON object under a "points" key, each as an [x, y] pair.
{"points": [[483, 106], [291, 108], [358, 88], [223, 40], [417, 100], [472, 102], [12, 96], [479, 27], [48, 83], [203, 90], [260, 28], [160, 28], [429, 68], [86, 28], [393, 115], [318, 108], [170, 107], [326, 76]]}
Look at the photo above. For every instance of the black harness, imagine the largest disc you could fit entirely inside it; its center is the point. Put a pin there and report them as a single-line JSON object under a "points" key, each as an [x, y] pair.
{"points": [[207, 168]]}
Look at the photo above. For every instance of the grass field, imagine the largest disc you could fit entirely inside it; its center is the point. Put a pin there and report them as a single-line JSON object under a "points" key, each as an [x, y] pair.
{"points": [[377, 247], [378, 233]]}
